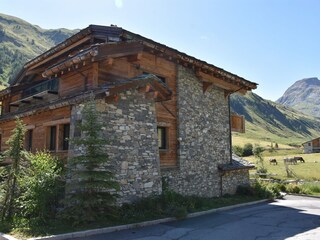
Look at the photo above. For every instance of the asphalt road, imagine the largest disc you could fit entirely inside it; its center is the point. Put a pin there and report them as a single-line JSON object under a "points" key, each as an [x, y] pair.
{"points": [[291, 218]]}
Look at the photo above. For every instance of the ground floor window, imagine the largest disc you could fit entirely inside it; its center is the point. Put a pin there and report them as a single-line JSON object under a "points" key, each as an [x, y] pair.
{"points": [[52, 138], [28, 140], [58, 137]]}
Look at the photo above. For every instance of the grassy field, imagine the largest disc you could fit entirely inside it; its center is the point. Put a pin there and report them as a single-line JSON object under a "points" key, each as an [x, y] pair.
{"points": [[310, 170], [241, 140]]}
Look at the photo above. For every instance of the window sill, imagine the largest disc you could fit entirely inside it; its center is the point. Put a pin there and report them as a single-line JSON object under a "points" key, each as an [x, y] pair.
{"points": [[163, 150]]}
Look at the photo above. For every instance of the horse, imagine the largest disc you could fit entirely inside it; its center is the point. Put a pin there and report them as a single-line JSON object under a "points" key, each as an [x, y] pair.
{"points": [[299, 158], [273, 161], [290, 160]]}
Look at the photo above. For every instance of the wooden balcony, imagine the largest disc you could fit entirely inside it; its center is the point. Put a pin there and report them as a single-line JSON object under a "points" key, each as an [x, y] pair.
{"points": [[38, 92]]}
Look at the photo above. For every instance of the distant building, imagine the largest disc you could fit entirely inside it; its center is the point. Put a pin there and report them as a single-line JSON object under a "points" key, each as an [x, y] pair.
{"points": [[312, 146]]}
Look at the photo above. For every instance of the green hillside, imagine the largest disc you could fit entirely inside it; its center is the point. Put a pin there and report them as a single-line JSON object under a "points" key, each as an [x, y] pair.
{"points": [[268, 121], [21, 41]]}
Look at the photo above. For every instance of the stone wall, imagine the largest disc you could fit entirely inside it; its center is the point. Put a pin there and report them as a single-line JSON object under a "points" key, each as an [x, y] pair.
{"points": [[232, 179], [203, 134], [130, 127]]}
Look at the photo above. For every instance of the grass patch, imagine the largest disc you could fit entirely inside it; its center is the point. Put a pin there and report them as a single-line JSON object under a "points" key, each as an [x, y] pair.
{"points": [[312, 188], [169, 204]]}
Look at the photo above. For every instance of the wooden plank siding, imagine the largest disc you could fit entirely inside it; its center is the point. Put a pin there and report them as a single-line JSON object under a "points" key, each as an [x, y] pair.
{"points": [[166, 111], [39, 124]]}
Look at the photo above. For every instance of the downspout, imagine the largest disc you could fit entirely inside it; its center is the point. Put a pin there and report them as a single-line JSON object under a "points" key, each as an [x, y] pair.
{"points": [[230, 134], [230, 140], [229, 112]]}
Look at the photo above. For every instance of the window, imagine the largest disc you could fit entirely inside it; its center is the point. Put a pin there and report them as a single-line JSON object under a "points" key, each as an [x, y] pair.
{"points": [[52, 138], [65, 142], [162, 137], [28, 140]]}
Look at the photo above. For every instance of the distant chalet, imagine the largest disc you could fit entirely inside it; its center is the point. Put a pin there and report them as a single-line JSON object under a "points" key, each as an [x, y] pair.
{"points": [[166, 114]]}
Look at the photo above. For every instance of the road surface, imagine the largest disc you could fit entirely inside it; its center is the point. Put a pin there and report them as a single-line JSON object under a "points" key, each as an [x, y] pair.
{"points": [[292, 218]]}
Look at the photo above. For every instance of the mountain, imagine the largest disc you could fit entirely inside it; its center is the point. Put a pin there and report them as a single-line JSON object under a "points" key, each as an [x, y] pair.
{"points": [[21, 41], [304, 96], [273, 122]]}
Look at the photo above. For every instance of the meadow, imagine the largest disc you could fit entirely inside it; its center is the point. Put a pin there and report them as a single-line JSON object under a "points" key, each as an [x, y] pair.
{"points": [[308, 171]]}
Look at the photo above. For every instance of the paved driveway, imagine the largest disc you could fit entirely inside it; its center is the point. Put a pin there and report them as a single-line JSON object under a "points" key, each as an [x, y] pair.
{"points": [[291, 218]]}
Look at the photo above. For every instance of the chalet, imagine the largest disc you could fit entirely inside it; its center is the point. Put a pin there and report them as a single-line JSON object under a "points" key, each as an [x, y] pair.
{"points": [[312, 146], [166, 114]]}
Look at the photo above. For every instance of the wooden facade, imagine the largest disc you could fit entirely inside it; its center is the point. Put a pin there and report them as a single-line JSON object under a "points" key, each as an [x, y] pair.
{"points": [[43, 93]]}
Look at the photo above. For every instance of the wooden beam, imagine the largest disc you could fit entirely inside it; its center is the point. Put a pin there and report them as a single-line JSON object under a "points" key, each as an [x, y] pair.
{"points": [[37, 97], [53, 92], [59, 52], [57, 122], [206, 86], [218, 82], [135, 57], [95, 74], [118, 50]]}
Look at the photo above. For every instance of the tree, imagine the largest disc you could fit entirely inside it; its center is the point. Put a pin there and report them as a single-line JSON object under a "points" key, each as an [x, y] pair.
{"points": [[257, 152], [236, 149], [91, 181], [247, 150], [15, 153]]}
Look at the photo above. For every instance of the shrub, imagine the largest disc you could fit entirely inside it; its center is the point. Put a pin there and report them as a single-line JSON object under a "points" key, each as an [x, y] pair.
{"points": [[245, 190], [180, 212], [247, 150], [237, 150], [294, 188], [40, 187]]}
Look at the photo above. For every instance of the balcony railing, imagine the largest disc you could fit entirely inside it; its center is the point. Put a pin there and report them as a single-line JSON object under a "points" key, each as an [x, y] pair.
{"points": [[51, 85]]}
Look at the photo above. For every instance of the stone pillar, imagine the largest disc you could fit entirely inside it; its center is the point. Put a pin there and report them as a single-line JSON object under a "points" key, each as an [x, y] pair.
{"points": [[130, 127]]}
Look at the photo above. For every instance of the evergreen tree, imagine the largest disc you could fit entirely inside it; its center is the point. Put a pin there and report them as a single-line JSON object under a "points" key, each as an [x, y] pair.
{"points": [[15, 153], [89, 190]]}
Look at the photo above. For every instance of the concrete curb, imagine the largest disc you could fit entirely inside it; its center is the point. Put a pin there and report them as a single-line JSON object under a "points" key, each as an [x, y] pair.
{"points": [[5, 236], [88, 233]]}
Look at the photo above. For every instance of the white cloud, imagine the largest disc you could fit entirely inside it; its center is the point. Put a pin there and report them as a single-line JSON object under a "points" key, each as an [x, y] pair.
{"points": [[118, 3]]}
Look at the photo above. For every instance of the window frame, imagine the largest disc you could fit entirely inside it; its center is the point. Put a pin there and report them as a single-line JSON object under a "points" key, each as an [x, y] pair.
{"points": [[163, 139], [65, 136]]}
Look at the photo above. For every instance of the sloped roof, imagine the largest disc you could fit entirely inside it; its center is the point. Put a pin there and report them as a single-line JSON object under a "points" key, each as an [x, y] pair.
{"points": [[237, 163], [113, 34]]}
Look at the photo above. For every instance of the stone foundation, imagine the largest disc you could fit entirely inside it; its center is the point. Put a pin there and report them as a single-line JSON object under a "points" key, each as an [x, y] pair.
{"points": [[231, 180]]}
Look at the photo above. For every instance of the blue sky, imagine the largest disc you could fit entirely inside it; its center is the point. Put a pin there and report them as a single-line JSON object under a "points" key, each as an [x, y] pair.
{"points": [[271, 42]]}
